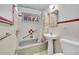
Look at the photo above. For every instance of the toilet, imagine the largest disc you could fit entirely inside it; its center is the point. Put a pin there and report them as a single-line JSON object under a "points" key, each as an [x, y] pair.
{"points": [[69, 47]]}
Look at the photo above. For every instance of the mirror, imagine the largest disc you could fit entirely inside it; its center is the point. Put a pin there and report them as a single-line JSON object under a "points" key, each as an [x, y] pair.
{"points": [[53, 18]]}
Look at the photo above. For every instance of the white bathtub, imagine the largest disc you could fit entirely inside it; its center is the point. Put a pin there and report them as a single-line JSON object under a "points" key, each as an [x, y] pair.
{"points": [[70, 47], [29, 47]]}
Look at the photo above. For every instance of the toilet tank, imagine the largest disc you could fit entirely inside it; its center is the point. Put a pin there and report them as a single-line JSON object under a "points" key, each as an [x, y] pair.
{"points": [[69, 47]]}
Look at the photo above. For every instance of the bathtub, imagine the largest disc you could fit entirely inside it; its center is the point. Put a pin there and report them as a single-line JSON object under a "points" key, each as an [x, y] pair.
{"points": [[70, 47], [30, 47]]}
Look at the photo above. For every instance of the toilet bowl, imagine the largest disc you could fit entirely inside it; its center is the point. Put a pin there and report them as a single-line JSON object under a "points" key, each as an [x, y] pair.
{"points": [[69, 47]]}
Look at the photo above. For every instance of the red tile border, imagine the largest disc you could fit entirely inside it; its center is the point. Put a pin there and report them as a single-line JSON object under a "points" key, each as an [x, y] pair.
{"points": [[2, 18], [68, 21], [2, 21], [5, 20]]}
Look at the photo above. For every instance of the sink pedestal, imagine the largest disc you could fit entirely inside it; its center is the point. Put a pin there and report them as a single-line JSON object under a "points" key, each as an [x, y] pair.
{"points": [[50, 38], [50, 46]]}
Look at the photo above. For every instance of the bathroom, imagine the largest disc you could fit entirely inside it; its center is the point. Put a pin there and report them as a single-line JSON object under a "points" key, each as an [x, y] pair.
{"points": [[31, 32], [39, 29]]}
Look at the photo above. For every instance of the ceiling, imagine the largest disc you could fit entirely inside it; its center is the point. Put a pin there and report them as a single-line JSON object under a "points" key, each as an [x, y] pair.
{"points": [[35, 6]]}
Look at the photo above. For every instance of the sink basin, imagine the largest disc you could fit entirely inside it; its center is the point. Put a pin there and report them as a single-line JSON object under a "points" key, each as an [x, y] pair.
{"points": [[53, 34], [49, 35]]}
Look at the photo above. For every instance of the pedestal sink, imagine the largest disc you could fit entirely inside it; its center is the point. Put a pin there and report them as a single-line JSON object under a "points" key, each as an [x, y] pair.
{"points": [[50, 38]]}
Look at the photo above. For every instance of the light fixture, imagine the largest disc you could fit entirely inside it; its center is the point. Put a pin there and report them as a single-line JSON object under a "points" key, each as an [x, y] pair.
{"points": [[51, 7]]}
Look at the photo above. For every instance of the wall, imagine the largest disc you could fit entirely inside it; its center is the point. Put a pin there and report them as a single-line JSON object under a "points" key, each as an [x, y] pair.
{"points": [[9, 44], [68, 12], [46, 21], [68, 30]]}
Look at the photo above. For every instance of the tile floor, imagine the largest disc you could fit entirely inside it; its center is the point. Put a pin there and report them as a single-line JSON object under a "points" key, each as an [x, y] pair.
{"points": [[44, 52]]}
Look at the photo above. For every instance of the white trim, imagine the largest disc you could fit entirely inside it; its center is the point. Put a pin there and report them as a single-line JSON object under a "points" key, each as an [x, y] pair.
{"points": [[69, 41]]}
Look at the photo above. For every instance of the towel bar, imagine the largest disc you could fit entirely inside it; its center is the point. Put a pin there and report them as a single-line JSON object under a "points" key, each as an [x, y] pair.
{"points": [[5, 36]]}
